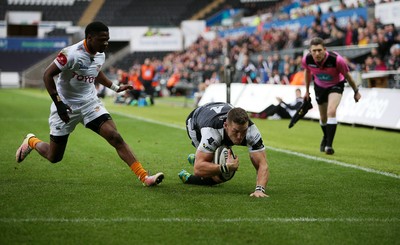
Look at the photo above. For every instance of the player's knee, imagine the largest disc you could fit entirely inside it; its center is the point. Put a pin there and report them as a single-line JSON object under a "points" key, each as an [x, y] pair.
{"points": [[331, 113], [55, 159], [115, 139]]}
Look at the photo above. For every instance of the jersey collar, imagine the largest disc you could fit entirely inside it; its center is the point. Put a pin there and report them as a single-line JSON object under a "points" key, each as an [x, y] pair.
{"points": [[86, 47]]}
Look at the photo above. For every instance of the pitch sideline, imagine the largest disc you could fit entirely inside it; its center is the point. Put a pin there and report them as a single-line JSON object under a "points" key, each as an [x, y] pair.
{"points": [[339, 163]]}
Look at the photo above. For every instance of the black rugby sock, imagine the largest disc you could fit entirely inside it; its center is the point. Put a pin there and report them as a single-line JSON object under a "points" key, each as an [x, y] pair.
{"points": [[330, 134], [323, 127]]}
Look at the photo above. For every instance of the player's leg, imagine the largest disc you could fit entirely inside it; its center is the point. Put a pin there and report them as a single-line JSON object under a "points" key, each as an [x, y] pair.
{"points": [[323, 108], [53, 151], [184, 175], [59, 132], [321, 95], [192, 179], [333, 103], [106, 128]]}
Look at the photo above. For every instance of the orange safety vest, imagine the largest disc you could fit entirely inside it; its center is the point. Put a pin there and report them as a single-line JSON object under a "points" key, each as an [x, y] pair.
{"points": [[135, 82], [147, 72]]}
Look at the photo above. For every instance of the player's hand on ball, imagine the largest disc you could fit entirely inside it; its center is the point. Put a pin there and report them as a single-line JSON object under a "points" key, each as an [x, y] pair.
{"points": [[258, 194], [231, 162]]}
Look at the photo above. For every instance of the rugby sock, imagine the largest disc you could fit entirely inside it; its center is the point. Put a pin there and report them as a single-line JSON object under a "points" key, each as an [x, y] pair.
{"points": [[33, 141], [323, 127], [138, 169], [330, 130], [197, 180]]}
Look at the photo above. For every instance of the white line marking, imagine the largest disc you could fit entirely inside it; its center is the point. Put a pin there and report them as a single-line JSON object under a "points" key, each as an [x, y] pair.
{"points": [[202, 220], [343, 164]]}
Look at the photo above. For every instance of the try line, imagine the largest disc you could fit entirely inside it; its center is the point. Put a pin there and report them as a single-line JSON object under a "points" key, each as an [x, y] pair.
{"points": [[339, 163]]}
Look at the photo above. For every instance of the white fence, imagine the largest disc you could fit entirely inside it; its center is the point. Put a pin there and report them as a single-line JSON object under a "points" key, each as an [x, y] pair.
{"points": [[9, 80]]}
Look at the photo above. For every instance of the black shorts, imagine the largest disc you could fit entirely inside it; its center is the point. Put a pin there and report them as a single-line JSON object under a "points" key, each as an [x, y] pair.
{"points": [[96, 123], [321, 94]]}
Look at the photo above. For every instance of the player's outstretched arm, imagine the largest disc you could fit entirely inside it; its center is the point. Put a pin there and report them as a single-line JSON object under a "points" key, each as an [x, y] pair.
{"points": [[260, 163], [103, 79]]}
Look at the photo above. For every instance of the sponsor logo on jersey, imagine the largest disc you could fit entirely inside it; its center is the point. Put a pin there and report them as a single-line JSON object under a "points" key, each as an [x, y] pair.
{"points": [[324, 77], [210, 140], [62, 59], [86, 79]]}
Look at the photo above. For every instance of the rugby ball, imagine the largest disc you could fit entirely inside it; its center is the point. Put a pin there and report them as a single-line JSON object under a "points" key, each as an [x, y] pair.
{"points": [[220, 157]]}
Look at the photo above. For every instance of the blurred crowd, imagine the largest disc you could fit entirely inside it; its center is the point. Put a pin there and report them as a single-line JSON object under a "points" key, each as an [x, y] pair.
{"points": [[189, 72]]}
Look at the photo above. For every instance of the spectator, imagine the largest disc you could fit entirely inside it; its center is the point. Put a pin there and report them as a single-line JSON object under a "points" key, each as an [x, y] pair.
{"points": [[283, 109], [262, 69], [248, 71], [134, 94], [147, 73], [394, 59]]}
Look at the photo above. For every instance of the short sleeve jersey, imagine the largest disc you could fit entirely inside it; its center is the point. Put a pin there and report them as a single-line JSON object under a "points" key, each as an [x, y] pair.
{"points": [[330, 72], [208, 122], [79, 69]]}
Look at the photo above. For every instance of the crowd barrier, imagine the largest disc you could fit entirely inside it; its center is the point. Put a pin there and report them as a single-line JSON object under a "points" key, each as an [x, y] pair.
{"points": [[9, 80], [378, 107]]}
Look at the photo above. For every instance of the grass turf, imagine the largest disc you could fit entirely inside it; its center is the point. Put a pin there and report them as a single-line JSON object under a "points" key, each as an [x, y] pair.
{"points": [[91, 197]]}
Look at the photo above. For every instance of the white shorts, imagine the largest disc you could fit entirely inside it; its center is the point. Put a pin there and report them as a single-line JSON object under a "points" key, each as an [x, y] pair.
{"points": [[192, 133], [81, 113]]}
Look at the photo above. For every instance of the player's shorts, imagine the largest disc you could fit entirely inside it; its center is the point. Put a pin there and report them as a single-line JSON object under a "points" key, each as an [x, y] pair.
{"points": [[81, 113], [321, 94], [193, 135]]}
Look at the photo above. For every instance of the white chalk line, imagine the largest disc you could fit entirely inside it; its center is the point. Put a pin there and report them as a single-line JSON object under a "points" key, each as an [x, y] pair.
{"points": [[200, 220], [339, 163], [343, 164]]}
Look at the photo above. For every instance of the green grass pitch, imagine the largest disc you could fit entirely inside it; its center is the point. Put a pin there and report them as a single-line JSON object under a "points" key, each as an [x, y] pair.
{"points": [[92, 197]]}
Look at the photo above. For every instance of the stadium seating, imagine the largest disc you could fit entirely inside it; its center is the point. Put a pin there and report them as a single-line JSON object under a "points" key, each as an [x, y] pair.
{"points": [[20, 60], [52, 10], [148, 13]]}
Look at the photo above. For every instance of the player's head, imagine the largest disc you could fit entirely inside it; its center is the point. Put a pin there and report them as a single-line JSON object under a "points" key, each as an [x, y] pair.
{"points": [[97, 36], [236, 125], [317, 49]]}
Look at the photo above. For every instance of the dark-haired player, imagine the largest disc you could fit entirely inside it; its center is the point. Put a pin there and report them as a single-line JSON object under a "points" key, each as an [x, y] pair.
{"points": [[216, 124], [330, 72], [75, 101]]}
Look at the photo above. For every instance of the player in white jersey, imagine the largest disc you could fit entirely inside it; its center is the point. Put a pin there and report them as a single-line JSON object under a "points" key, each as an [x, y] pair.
{"points": [[216, 124], [75, 101]]}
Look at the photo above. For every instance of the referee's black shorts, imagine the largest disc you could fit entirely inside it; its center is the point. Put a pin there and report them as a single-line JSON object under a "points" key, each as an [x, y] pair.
{"points": [[321, 94]]}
